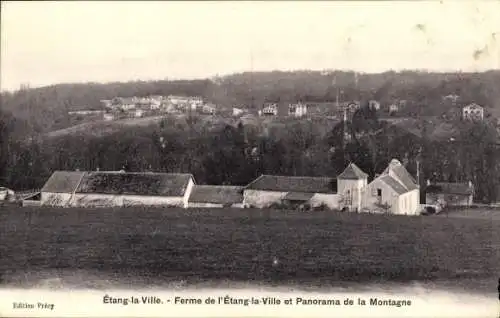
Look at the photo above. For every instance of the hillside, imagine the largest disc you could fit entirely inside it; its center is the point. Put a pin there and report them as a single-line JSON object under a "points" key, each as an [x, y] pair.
{"points": [[46, 108]]}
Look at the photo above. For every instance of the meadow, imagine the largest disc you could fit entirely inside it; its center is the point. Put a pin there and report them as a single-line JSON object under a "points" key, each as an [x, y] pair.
{"points": [[241, 245]]}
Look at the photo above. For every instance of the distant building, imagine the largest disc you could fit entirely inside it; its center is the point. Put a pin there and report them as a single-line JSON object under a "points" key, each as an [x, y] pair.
{"points": [[108, 116], [210, 196], [393, 108], [373, 104], [453, 98], [270, 109], [297, 110], [238, 111], [473, 112], [86, 112], [138, 113], [449, 193], [209, 109]]}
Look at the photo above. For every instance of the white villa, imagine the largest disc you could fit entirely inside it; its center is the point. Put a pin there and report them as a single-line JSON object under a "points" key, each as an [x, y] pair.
{"points": [[473, 112]]}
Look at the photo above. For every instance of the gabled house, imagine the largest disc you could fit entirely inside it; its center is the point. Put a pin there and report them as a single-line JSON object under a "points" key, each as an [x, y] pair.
{"points": [[267, 190], [351, 184], [270, 109], [297, 110], [211, 196], [473, 112], [394, 191], [449, 193]]}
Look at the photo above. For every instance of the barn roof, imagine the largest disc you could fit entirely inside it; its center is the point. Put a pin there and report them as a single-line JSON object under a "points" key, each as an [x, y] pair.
{"points": [[352, 172], [216, 194], [394, 184], [298, 196], [450, 188], [294, 184], [397, 170], [63, 182], [154, 184]]}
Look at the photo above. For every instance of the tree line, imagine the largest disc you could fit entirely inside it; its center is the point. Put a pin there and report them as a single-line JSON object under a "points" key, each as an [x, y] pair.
{"points": [[237, 154]]}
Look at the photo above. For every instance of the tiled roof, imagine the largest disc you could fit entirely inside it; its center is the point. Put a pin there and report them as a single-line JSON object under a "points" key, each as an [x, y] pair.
{"points": [[352, 172], [399, 172], [155, 184], [394, 184], [450, 188], [216, 194], [294, 184], [63, 182]]}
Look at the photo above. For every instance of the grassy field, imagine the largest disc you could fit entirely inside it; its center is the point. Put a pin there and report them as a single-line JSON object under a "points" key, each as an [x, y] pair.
{"points": [[240, 244]]}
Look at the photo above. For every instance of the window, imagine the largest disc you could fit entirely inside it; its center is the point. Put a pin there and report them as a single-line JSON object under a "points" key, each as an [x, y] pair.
{"points": [[348, 198], [379, 192], [374, 192]]}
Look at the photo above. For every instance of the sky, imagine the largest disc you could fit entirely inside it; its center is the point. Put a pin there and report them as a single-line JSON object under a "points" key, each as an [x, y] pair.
{"points": [[44, 43]]}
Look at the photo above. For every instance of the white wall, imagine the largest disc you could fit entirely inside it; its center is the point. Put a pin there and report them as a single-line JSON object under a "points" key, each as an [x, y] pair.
{"points": [[356, 188], [389, 196], [262, 199], [82, 199], [55, 199], [187, 193], [330, 200], [407, 203]]}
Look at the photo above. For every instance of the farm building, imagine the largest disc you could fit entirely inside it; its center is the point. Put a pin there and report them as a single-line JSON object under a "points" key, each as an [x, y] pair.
{"points": [[351, 183], [268, 190], [6, 194], [449, 193], [130, 189], [394, 191], [60, 188], [473, 112], [210, 196], [74, 188]]}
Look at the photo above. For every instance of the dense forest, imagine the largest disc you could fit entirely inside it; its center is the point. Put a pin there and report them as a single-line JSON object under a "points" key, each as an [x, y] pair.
{"points": [[236, 154]]}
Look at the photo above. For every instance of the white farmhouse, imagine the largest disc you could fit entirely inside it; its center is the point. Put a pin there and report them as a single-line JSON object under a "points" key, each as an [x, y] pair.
{"points": [[211, 196], [268, 190], [473, 112], [134, 189], [394, 191], [297, 110]]}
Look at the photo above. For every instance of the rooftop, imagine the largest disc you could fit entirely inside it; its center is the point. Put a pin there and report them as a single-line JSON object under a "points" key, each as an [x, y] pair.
{"points": [[216, 194], [294, 184]]}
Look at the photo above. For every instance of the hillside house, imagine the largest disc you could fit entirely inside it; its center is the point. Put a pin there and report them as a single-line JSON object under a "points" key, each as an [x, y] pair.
{"points": [[473, 112], [210, 196], [373, 104], [208, 109], [449, 193], [238, 111], [108, 116], [393, 108], [133, 189], [394, 191], [270, 109], [60, 188], [267, 190], [453, 98], [351, 184], [297, 110]]}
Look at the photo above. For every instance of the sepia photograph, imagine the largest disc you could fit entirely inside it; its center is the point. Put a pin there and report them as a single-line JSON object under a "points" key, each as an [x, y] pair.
{"points": [[250, 159]]}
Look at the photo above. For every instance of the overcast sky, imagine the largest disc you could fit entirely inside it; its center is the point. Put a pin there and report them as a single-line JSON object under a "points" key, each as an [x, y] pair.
{"points": [[43, 43]]}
